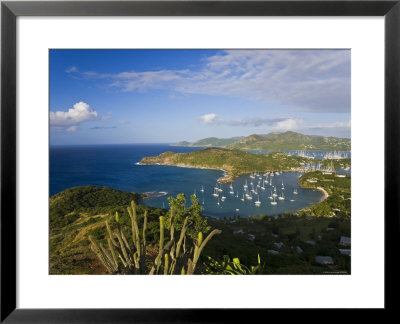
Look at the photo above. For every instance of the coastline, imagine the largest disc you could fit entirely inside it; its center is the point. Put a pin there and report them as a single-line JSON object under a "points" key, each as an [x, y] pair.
{"points": [[326, 195], [226, 178], [222, 179]]}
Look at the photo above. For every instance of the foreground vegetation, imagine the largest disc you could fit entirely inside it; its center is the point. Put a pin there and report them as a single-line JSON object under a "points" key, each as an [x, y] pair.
{"points": [[283, 244], [172, 255], [235, 162]]}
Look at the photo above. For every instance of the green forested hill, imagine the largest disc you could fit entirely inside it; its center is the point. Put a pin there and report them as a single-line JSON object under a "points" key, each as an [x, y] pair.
{"points": [[74, 200], [338, 187], [275, 142], [291, 141], [236, 162]]}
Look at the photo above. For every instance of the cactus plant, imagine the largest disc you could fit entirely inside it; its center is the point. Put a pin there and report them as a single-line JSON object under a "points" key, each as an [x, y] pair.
{"points": [[123, 257]]}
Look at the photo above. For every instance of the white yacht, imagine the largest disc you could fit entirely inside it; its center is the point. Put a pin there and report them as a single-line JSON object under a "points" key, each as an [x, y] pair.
{"points": [[215, 194]]}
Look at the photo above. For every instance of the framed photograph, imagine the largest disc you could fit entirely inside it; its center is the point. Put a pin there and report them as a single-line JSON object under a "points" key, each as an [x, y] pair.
{"points": [[247, 150]]}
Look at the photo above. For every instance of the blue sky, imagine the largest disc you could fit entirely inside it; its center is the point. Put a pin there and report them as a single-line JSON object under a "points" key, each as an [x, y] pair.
{"points": [[165, 96]]}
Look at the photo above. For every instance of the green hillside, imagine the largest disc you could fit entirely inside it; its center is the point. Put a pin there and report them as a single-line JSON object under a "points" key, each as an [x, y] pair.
{"points": [[95, 198], [291, 141], [338, 188], [78, 212], [275, 142], [235, 162]]}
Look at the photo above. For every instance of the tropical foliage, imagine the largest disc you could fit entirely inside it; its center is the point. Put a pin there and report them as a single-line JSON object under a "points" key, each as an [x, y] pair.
{"points": [[129, 256]]}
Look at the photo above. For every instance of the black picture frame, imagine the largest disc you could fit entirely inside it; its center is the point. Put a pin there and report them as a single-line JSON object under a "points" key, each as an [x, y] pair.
{"points": [[10, 10]]}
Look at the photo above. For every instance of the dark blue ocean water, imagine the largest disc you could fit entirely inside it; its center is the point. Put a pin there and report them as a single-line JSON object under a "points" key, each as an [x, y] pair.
{"points": [[115, 166]]}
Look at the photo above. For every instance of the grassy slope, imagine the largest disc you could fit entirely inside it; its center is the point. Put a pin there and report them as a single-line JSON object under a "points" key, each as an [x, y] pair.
{"points": [[77, 212], [236, 162]]}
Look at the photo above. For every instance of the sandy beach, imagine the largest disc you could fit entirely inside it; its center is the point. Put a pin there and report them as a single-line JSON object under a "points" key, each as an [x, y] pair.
{"points": [[326, 195]]}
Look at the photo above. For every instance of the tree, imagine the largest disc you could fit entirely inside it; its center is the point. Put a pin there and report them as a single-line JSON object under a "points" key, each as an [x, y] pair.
{"points": [[179, 212]]}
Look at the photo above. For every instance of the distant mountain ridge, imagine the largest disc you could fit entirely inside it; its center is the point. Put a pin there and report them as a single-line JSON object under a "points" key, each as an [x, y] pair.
{"points": [[275, 141], [210, 142]]}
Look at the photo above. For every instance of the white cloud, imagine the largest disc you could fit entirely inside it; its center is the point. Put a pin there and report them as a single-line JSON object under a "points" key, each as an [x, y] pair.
{"points": [[213, 119], [209, 118], [346, 124], [309, 80], [72, 69], [69, 120], [337, 129], [72, 128], [289, 124]]}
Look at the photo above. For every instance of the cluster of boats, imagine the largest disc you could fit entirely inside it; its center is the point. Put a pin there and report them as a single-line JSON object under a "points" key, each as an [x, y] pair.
{"points": [[251, 189], [332, 155], [307, 167]]}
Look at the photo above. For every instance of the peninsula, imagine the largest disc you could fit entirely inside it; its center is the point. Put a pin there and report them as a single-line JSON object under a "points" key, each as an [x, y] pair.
{"points": [[234, 162]]}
